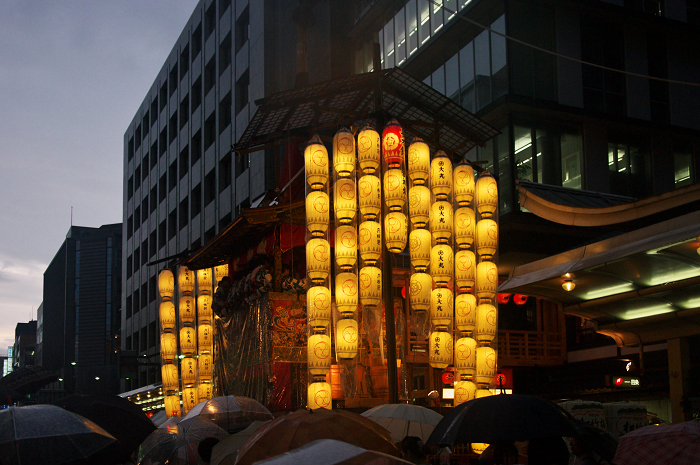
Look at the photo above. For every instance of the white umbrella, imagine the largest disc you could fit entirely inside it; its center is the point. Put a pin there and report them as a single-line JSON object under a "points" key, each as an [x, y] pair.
{"points": [[403, 420]]}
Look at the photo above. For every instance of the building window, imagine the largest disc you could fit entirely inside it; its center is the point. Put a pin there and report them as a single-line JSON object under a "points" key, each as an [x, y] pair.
{"points": [[129, 267], [172, 224], [224, 54], [225, 172], [196, 147], [210, 131], [144, 164], [196, 41], [184, 112], [145, 124], [223, 6], [137, 260], [154, 154], [162, 232], [210, 75], [184, 61], [209, 20], [163, 95], [603, 44], [184, 212], [628, 166], [173, 79], [154, 110], [144, 209], [242, 163], [682, 166], [137, 137], [196, 206], [130, 149], [209, 187], [196, 94], [153, 243], [129, 226], [184, 162], [137, 178], [658, 67], [225, 113], [129, 311], [172, 127], [172, 176], [130, 188], [242, 85], [144, 252], [162, 187], [137, 218], [163, 141], [154, 199], [242, 29]]}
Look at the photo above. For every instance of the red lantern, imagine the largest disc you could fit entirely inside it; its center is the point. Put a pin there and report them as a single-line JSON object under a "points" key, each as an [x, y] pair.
{"points": [[503, 298], [520, 299], [393, 144]]}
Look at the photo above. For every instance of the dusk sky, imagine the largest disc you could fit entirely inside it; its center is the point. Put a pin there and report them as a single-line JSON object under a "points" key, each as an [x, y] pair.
{"points": [[72, 75]]}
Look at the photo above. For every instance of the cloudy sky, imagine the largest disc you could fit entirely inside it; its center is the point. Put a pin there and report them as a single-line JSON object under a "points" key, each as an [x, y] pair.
{"points": [[72, 75]]}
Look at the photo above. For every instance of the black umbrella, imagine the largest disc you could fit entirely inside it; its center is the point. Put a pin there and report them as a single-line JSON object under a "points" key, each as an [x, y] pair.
{"points": [[28, 380], [502, 418], [600, 441], [118, 416]]}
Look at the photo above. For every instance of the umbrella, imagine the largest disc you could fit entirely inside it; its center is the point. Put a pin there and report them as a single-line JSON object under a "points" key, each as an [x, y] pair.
{"points": [[403, 420], [502, 418], [159, 418], [600, 441], [28, 380], [333, 452], [232, 413], [677, 444], [303, 426], [46, 434], [170, 422], [178, 444], [118, 416], [225, 452]]}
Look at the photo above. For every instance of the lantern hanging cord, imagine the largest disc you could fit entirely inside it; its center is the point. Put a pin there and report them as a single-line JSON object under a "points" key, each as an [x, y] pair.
{"points": [[559, 55]]}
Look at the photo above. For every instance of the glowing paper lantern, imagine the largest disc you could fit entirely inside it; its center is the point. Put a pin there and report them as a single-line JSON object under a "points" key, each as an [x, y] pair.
{"points": [[204, 281], [188, 340], [317, 206], [394, 189], [316, 163], [465, 220], [441, 221], [171, 381], [370, 241], [441, 307], [346, 293], [486, 238], [368, 150], [485, 365], [420, 246], [396, 229], [319, 354], [483, 392], [369, 193], [441, 265], [479, 447], [346, 337], [345, 200], [205, 391], [465, 269], [219, 272], [346, 247], [167, 315], [421, 288], [486, 195], [188, 368], [168, 346], [320, 396], [204, 365], [464, 183], [465, 356], [172, 406], [318, 306], [318, 260], [464, 392], [185, 279], [440, 349], [205, 337], [393, 144], [187, 309], [419, 205], [418, 161], [204, 311], [370, 286], [166, 284], [465, 312], [486, 317], [441, 176], [486, 280], [189, 398], [343, 152]]}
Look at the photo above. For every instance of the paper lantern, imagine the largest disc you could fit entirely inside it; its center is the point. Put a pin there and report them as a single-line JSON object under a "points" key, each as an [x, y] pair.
{"points": [[483, 392], [316, 163], [465, 220], [486, 238], [465, 269], [419, 205], [441, 221], [187, 310], [394, 189], [188, 368], [346, 337], [205, 391], [464, 392], [486, 195], [185, 279], [370, 286], [167, 315], [464, 184], [393, 144], [166, 284], [204, 281], [320, 396], [369, 193], [188, 340], [172, 406], [318, 306], [420, 246], [344, 152], [317, 207], [346, 247], [169, 375], [418, 161], [485, 365], [318, 260], [441, 265], [486, 318], [346, 293], [441, 176], [440, 349], [319, 354], [205, 337], [465, 312], [168, 346], [204, 312], [486, 280], [345, 200], [396, 228], [421, 289], [441, 307], [465, 356], [205, 364], [368, 149], [370, 241], [520, 299], [189, 399], [479, 447], [219, 273]]}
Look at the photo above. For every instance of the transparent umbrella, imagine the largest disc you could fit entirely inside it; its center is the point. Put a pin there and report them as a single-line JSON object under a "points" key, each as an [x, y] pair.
{"points": [[232, 413], [225, 452], [403, 420], [177, 445]]}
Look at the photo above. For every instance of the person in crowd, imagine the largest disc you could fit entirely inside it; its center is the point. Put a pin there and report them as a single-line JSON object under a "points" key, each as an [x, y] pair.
{"points": [[583, 452], [499, 453], [412, 450], [547, 451]]}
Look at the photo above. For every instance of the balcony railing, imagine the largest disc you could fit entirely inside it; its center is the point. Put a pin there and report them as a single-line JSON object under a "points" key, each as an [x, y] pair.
{"points": [[527, 348]]}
